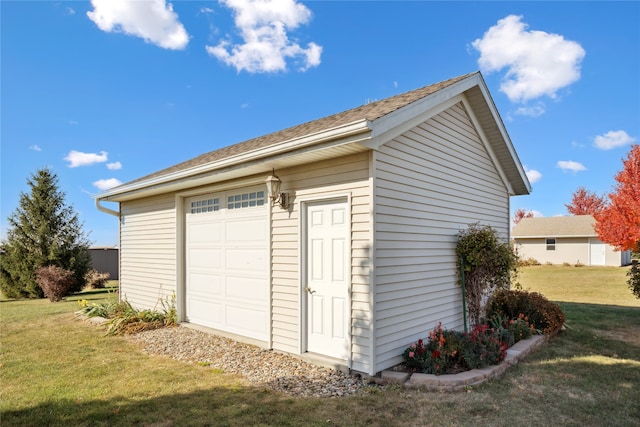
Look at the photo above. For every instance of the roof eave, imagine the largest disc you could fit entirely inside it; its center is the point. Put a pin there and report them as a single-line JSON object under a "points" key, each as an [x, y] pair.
{"points": [[343, 134]]}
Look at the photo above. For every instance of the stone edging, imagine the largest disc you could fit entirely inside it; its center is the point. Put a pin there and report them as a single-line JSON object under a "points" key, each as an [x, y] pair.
{"points": [[97, 320], [463, 380]]}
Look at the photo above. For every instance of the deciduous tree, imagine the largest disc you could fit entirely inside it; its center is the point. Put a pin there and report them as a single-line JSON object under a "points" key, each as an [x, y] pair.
{"points": [[42, 231], [619, 223], [584, 202], [520, 214]]}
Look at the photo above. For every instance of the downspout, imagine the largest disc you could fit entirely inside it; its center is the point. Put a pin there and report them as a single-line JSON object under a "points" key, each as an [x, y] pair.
{"points": [[106, 210]]}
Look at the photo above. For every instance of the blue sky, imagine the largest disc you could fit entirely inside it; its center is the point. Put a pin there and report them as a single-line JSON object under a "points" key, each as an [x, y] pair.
{"points": [[107, 91]]}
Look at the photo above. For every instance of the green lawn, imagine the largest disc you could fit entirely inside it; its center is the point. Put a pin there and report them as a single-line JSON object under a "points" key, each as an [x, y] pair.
{"points": [[58, 371]]}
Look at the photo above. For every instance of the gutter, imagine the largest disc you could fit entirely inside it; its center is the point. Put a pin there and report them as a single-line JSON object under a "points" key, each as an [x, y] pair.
{"points": [[106, 210], [335, 133]]}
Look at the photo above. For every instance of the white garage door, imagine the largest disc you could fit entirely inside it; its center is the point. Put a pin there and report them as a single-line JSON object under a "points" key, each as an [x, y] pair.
{"points": [[227, 262]]}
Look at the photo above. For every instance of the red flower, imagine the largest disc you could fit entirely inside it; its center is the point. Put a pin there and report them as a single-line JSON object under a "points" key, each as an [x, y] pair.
{"points": [[435, 354]]}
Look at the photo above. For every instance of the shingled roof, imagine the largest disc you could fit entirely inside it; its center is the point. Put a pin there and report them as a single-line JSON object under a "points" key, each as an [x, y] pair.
{"points": [[370, 112], [348, 132], [557, 226]]}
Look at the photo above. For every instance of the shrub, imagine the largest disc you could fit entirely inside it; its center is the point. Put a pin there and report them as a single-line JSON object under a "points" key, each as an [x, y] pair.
{"points": [[488, 264], [510, 331], [528, 262], [54, 281], [543, 314], [95, 280], [634, 278]]}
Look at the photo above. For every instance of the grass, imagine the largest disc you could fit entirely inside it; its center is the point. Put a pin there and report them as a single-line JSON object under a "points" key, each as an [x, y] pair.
{"points": [[591, 285], [56, 370]]}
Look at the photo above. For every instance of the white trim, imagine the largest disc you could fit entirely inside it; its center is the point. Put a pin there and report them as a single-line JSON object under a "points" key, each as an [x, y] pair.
{"points": [[327, 135], [180, 257], [302, 203], [401, 121], [372, 269], [487, 146], [503, 132]]}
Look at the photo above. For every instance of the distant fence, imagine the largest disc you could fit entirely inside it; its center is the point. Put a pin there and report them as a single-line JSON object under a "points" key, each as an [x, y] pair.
{"points": [[105, 260]]}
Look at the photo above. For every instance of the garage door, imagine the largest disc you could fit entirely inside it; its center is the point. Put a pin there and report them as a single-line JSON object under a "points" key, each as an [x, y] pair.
{"points": [[227, 263]]}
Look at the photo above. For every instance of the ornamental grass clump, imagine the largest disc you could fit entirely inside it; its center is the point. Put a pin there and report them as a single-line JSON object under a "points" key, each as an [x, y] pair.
{"points": [[124, 319]]}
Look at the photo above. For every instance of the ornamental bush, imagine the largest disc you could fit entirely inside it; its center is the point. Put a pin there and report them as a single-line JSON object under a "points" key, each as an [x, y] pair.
{"points": [[488, 264], [54, 281], [634, 278], [544, 315]]}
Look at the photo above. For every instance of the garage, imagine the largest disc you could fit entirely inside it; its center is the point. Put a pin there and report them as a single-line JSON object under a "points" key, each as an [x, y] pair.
{"points": [[227, 263]]}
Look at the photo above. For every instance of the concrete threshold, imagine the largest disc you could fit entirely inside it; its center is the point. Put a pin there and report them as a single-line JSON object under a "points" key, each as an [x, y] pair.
{"points": [[464, 380]]}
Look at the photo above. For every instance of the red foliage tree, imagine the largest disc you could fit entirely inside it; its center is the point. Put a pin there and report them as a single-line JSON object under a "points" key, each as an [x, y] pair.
{"points": [[585, 202], [619, 223], [521, 213]]}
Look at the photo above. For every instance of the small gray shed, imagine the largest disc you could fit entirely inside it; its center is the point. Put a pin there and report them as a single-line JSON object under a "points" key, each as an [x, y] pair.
{"points": [[104, 259]]}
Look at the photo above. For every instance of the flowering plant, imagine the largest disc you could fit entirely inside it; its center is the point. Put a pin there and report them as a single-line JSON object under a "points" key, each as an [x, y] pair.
{"points": [[438, 355], [449, 351]]}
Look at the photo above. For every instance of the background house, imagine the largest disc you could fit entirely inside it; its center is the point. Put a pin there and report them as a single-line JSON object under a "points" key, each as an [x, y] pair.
{"points": [[353, 257], [565, 239]]}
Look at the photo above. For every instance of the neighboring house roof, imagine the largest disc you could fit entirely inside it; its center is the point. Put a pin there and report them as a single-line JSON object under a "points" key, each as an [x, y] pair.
{"points": [[344, 133], [557, 226]]}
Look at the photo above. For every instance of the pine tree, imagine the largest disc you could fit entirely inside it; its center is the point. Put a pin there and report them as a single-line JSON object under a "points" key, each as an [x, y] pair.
{"points": [[42, 231]]}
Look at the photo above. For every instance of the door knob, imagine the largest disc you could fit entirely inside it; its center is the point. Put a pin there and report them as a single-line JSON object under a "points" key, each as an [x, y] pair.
{"points": [[309, 290]]}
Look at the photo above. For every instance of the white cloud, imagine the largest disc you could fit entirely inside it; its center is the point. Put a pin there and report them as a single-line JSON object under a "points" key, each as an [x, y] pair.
{"points": [[613, 139], [571, 166], [531, 111], [263, 26], [206, 10], [106, 184], [114, 166], [152, 20], [537, 63], [70, 11], [78, 158], [532, 174], [35, 148], [72, 122]]}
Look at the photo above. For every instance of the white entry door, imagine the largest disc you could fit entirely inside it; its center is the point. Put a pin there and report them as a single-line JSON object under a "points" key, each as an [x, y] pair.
{"points": [[327, 278], [596, 252]]}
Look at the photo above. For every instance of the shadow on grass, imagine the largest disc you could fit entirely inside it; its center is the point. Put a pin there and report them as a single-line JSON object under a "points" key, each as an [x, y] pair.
{"points": [[215, 407]]}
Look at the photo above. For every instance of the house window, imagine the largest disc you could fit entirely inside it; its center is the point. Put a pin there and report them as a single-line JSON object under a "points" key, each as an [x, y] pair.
{"points": [[551, 244], [245, 200], [207, 205]]}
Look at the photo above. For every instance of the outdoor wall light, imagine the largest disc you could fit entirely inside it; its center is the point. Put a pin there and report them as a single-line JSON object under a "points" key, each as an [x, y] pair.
{"points": [[273, 190]]}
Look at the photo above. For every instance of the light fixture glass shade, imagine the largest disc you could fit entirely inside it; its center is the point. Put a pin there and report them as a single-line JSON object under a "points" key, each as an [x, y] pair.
{"points": [[273, 187]]}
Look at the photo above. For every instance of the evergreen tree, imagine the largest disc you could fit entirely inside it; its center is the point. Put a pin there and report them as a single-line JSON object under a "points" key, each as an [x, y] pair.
{"points": [[42, 231]]}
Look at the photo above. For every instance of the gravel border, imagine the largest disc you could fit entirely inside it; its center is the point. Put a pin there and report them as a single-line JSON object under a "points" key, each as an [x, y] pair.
{"points": [[266, 368]]}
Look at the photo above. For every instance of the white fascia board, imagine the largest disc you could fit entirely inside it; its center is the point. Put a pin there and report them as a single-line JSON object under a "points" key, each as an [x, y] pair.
{"points": [[396, 123], [335, 133], [487, 146], [503, 131]]}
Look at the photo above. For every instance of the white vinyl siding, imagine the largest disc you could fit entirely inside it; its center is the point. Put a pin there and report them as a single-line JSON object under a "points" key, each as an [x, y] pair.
{"points": [[431, 182], [148, 251], [349, 174]]}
